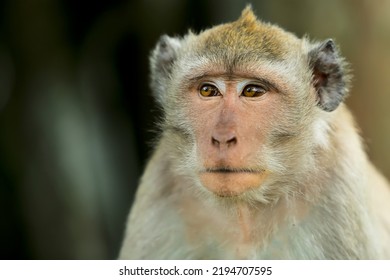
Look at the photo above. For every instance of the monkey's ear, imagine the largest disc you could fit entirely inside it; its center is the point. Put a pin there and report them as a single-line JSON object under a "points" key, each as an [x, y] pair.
{"points": [[161, 64], [329, 75]]}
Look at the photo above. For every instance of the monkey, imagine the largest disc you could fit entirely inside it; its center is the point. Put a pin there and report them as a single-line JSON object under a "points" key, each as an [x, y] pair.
{"points": [[258, 156]]}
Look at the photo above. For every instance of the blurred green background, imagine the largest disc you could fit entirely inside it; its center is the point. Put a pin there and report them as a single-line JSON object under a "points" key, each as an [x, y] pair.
{"points": [[77, 118]]}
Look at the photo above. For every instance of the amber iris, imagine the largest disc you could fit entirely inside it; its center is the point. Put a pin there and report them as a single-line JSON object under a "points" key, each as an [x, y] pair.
{"points": [[253, 91], [208, 91]]}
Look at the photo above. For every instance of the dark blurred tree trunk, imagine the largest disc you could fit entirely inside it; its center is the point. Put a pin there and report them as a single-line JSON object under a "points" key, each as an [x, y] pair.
{"points": [[63, 148], [45, 100], [370, 96]]}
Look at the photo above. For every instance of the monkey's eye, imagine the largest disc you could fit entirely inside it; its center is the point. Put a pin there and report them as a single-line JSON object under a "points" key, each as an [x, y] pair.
{"points": [[209, 90], [253, 91]]}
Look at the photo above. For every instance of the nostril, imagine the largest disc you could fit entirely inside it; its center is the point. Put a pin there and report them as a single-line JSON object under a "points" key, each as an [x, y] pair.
{"points": [[231, 141], [214, 142], [223, 140]]}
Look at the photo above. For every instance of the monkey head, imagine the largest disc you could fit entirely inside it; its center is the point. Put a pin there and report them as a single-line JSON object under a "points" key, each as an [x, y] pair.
{"points": [[249, 104]]}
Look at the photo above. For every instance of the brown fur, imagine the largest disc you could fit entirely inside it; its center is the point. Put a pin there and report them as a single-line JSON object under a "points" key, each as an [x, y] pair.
{"points": [[246, 36], [278, 176]]}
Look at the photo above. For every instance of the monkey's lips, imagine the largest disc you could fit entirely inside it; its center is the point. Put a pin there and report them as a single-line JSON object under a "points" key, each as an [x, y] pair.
{"points": [[231, 181]]}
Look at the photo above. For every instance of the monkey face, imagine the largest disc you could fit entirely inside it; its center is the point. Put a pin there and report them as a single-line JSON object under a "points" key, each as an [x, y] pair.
{"points": [[231, 116], [248, 101]]}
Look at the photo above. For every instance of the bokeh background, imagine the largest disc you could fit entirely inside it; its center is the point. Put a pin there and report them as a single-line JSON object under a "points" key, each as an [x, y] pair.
{"points": [[77, 118]]}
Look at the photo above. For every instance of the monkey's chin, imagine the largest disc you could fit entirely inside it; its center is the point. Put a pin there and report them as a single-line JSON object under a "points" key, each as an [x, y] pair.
{"points": [[227, 184]]}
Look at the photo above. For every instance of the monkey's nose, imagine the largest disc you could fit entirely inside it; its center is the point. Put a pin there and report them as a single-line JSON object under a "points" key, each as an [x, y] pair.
{"points": [[225, 139]]}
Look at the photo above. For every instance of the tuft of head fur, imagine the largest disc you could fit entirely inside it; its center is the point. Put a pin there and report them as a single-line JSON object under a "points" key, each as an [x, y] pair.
{"points": [[246, 39], [248, 15]]}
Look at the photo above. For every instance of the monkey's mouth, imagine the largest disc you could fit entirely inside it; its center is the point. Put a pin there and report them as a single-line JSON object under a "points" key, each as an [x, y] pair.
{"points": [[226, 181], [232, 170]]}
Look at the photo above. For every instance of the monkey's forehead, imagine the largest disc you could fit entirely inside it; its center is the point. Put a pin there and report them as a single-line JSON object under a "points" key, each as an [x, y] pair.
{"points": [[247, 38]]}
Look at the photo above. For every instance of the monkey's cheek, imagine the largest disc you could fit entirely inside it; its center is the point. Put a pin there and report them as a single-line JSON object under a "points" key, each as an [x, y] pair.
{"points": [[232, 184]]}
